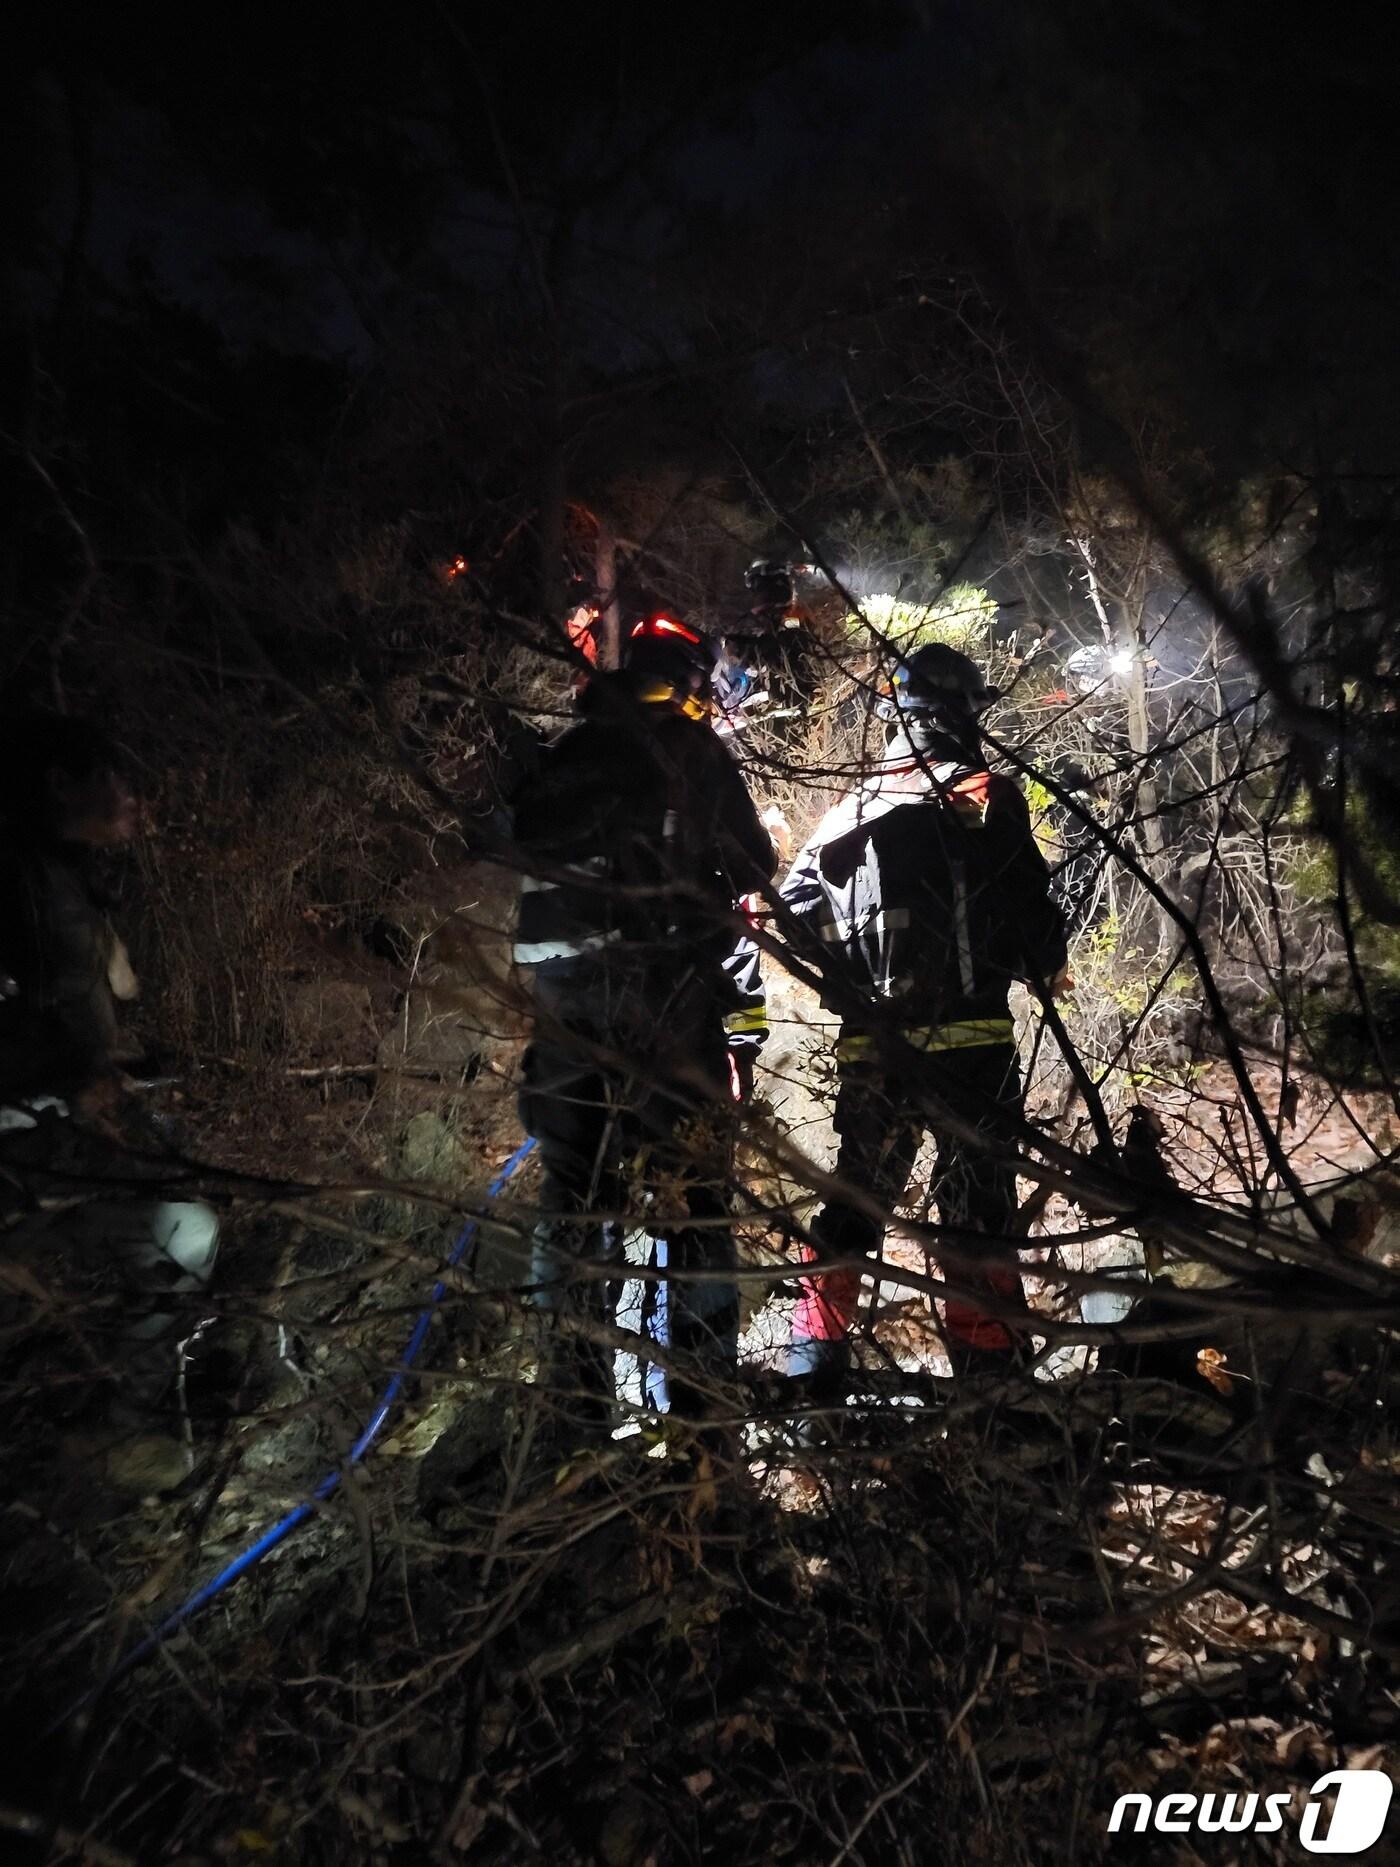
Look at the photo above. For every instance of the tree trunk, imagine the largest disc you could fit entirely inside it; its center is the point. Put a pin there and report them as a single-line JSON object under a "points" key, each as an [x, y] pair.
{"points": [[609, 630]]}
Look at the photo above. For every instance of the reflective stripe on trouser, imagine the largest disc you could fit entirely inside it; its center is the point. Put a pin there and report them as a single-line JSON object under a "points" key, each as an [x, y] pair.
{"points": [[644, 1309], [966, 1034], [880, 1129], [751, 1021]]}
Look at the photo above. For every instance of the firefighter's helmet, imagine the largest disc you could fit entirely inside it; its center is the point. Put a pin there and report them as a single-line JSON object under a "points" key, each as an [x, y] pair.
{"points": [[770, 582], [939, 680], [671, 663]]}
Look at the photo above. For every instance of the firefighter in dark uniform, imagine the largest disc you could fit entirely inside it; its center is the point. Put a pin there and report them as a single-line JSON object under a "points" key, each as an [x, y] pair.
{"points": [[68, 1078], [766, 664], [637, 837], [922, 896]]}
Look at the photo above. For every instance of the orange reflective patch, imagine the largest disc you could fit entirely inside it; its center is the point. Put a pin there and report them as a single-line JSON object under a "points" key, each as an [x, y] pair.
{"points": [[970, 796]]}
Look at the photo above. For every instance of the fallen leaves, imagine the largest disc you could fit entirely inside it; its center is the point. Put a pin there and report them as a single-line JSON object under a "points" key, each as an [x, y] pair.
{"points": [[1211, 1366]]}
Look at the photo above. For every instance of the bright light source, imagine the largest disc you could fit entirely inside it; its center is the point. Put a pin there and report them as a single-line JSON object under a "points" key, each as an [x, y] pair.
{"points": [[1120, 661]]}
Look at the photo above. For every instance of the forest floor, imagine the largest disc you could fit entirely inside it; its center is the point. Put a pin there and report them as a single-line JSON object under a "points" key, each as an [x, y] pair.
{"points": [[958, 1632]]}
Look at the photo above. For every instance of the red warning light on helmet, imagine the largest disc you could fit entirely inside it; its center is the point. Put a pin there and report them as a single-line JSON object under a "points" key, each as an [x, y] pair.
{"points": [[665, 625]]}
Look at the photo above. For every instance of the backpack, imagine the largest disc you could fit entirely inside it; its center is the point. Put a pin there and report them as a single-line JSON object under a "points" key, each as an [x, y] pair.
{"points": [[917, 898]]}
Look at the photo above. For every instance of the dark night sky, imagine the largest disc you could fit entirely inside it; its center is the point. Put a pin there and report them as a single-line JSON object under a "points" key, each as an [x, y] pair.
{"points": [[1179, 192], [225, 145], [216, 241]]}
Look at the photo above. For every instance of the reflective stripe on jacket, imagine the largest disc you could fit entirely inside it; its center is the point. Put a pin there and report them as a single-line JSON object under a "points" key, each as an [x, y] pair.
{"points": [[926, 891], [635, 832], [967, 1034]]}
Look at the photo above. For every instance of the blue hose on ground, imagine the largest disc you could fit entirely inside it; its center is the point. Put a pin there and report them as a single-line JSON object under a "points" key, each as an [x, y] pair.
{"points": [[328, 1485]]}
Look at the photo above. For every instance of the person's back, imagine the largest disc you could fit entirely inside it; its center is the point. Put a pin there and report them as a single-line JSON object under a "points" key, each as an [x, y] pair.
{"points": [[636, 837], [928, 885], [920, 899]]}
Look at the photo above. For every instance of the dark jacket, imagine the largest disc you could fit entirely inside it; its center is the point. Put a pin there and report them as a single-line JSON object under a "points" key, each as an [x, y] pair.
{"points": [[59, 955], [925, 891], [637, 836]]}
